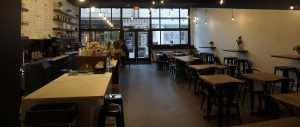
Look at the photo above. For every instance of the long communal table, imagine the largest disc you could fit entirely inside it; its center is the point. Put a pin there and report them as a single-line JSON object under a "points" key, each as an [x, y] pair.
{"points": [[87, 90]]}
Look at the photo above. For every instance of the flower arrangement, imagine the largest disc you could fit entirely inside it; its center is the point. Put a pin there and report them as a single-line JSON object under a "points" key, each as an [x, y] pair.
{"points": [[297, 49], [211, 43], [239, 41], [192, 51], [59, 4]]}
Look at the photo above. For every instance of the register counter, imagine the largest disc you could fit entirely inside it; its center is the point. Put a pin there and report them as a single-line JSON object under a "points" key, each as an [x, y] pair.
{"points": [[87, 90]]}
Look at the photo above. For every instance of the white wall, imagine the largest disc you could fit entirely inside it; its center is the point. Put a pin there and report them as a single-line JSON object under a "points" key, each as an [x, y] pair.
{"points": [[40, 17], [265, 32]]}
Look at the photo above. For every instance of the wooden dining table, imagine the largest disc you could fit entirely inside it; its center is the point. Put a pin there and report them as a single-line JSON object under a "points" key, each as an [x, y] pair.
{"points": [[282, 122], [215, 81], [206, 66], [264, 78], [185, 59], [290, 100]]}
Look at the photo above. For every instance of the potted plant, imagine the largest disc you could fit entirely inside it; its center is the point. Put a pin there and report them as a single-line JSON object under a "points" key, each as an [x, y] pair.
{"points": [[59, 5], [297, 49], [211, 43], [240, 41], [191, 53]]}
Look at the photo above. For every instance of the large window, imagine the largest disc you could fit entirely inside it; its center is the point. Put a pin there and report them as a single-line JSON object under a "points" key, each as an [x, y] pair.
{"points": [[169, 26]]}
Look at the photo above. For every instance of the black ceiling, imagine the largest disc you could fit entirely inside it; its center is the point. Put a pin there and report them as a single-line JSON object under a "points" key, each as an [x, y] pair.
{"points": [[245, 4]]}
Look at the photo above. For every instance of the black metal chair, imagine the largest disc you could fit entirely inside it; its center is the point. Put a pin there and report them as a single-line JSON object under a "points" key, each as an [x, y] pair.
{"points": [[224, 96]]}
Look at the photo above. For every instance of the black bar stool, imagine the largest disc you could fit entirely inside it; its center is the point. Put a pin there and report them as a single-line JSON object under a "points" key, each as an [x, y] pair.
{"points": [[229, 60], [209, 58], [110, 110], [54, 114], [285, 72], [115, 99]]}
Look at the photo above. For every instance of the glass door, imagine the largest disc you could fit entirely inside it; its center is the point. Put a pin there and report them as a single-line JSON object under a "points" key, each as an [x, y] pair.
{"points": [[137, 43]]}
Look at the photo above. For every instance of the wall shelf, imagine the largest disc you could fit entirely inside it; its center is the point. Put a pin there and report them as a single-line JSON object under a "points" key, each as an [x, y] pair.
{"points": [[67, 22], [63, 30], [287, 56], [208, 47], [24, 9], [236, 50], [64, 13], [24, 23]]}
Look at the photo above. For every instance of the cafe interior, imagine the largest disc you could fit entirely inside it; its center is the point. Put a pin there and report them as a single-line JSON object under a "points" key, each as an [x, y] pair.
{"points": [[153, 63]]}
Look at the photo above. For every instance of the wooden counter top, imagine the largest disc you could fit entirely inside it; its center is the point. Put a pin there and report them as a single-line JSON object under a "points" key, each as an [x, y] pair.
{"points": [[205, 66], [264, 77], [287, 56], [56, 58], [81, 86]]}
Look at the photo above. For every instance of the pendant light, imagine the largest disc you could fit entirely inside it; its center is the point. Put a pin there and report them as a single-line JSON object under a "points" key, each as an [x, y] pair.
{"points": [[153, 2], [81, 0], [162, 1], [221, 2], [232, 17], [292, 5]]}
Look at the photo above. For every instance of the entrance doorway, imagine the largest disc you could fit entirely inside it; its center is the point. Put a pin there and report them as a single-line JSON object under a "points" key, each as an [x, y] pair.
{"points": [[138, 45]]}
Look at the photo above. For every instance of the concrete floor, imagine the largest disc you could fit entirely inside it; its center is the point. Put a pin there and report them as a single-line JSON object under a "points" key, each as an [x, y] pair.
{"points": [[153, 99]]}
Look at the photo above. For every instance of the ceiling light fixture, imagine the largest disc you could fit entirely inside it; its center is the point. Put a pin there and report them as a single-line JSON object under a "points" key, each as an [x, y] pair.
{"points": [[162, 1], [232, 18], [153, 2], [292, 5], [221, 2], [93, 9], [81, 0]]}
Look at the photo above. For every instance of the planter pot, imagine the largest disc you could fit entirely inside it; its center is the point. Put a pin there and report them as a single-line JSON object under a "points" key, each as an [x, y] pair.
{"points": [[191, 57]]}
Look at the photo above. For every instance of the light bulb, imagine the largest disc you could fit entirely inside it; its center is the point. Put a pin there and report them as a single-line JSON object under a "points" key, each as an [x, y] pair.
{"points": [[153, 2], [232, 18], [162, 2], [131, 17], [112, 25], [221, 2], [104, 18], [93, 9], [205, 22], [107, 21], [100, 14], [292, 7], [81, 0], [194, 20]]}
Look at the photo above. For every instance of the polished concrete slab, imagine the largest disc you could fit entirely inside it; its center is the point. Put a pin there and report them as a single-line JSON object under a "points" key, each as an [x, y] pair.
{"points": [[153, 99]]}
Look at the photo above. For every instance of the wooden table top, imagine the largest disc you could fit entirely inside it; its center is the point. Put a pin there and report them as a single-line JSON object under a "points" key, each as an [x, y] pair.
{"points": [[185, 58], [216, 80], [287, 56], [292, 99], [81, 86], [205, 66], [264, 77], [283, 122]]}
